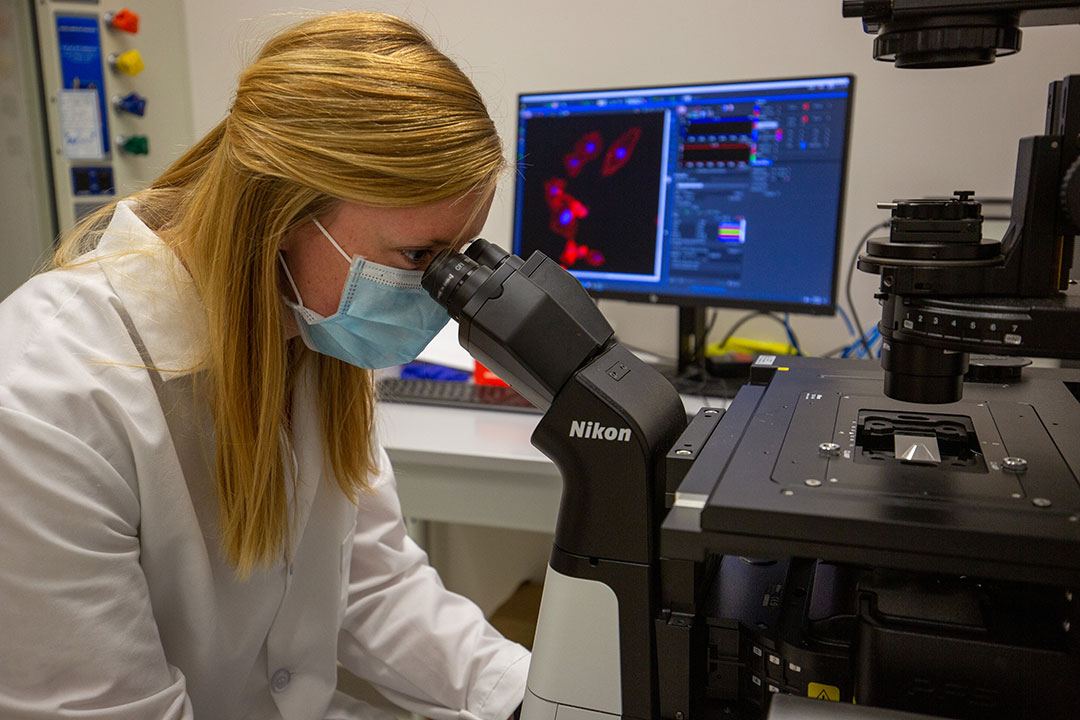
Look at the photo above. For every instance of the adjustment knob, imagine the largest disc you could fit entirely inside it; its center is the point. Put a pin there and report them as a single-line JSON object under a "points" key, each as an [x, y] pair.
{"points": [[958, 208], [935, 230], [129, 63], [133, 144], [124, 20], [131, 103]]}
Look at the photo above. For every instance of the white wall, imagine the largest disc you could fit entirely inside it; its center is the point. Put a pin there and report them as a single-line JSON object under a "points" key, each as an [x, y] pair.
{"points": [[916, 133], [25, 226]]}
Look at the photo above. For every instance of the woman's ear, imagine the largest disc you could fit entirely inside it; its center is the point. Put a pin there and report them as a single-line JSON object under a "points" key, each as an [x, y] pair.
{"points": [[289, 241]]}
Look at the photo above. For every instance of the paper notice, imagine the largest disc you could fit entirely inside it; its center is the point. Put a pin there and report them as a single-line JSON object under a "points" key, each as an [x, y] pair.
{"points": [[80, 124]]}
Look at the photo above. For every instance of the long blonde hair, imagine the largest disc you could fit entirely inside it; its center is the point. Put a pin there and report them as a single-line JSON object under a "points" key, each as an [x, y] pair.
{"points": [[351, 106]]}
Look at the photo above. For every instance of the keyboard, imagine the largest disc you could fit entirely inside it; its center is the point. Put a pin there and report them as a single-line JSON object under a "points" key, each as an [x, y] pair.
{"points": [[453, 394]]}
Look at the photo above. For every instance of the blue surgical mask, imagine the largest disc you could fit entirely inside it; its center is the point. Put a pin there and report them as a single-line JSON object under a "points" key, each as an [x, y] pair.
{"points": [[384, 318]]}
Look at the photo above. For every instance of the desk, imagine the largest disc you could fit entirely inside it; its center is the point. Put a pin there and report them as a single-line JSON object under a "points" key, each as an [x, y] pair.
{"points": [[465, 478], [475, 467]]}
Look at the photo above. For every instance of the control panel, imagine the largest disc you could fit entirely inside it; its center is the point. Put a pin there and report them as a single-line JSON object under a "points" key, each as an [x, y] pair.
{"points": [[116, 95]]}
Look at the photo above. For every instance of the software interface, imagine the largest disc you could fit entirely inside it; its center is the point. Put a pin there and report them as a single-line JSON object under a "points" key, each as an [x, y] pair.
{"points": [[725, 194]]}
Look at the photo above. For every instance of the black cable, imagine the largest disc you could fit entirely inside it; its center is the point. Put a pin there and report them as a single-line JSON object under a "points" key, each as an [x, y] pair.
{"points": [[750, 316], [791, 334], [847, 285], [703, 369]]}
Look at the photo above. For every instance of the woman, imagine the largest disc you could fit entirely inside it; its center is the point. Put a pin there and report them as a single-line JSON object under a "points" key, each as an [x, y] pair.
{"points": [[197, 520]]}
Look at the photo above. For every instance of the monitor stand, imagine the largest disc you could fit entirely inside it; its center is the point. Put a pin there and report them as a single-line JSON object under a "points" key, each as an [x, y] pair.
{"points": [[691, 375]]}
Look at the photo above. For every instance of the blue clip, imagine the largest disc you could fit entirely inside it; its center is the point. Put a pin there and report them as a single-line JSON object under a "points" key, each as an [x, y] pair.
{"points": [[132, 103]]}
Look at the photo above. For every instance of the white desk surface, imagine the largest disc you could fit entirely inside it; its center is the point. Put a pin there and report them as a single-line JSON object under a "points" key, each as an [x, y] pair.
{"points": [[474, 467]]}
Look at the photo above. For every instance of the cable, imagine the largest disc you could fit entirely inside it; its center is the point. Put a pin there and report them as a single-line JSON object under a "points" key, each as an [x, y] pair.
{"points": [[847, 285], [791, 334], [846, 319], [750, 316]]}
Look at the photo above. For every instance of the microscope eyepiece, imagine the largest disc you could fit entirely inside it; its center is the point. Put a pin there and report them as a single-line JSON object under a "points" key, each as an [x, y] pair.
{"points": [[451, 279], [485, 253]]}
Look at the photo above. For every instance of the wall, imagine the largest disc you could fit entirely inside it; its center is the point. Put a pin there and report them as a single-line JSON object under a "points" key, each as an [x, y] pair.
{"points": [[26, 227], [916, 133]]}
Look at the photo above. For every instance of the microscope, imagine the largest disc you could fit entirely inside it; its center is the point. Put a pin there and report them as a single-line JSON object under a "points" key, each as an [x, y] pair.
{"points": [[844, 540], [945, 290]]}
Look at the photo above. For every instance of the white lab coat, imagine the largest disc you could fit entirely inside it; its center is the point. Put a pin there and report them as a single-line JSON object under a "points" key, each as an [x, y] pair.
{"points": [[115, 601]]}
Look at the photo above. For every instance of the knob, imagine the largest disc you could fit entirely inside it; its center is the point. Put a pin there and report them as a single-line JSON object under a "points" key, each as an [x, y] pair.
{"points": [[131, 103], [129, 63], [828, 449], [134, 144], [958, 208], [124, 20]]}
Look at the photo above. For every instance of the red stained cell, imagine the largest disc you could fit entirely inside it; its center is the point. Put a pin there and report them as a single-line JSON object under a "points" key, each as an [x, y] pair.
{"points": [[553, 191], [620, 151], [585, 149], [569, 254], [564, 210], [573, 253]]}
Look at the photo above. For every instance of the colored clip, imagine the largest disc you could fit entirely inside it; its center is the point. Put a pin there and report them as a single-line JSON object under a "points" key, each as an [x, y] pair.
{"points": [[129, 63], [124, 20], [131, 103], [133, 144]]}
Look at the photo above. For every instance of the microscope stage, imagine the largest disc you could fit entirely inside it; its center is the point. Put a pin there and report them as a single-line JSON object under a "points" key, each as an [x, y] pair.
{"points": [[819, 463]]}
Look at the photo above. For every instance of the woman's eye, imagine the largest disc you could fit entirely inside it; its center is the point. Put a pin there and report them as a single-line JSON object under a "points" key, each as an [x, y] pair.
{"points": [[416, 256]]}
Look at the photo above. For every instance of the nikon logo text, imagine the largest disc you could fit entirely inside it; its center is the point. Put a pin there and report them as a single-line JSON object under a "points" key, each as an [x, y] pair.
{"points": [[596, 431]]}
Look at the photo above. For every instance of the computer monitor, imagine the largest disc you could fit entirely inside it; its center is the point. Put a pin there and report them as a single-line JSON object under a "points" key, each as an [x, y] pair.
{"points": [[723, 194]]}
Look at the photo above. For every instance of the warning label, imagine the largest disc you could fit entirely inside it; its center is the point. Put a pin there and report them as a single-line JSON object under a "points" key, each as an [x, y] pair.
{"points": [[823, 692]]}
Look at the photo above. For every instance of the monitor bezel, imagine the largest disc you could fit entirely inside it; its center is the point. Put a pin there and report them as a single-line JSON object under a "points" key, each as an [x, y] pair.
{"points": [[698, 300]]}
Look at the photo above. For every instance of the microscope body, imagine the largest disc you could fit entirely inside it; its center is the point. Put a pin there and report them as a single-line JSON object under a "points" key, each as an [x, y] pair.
{"points": [[609, 422]]}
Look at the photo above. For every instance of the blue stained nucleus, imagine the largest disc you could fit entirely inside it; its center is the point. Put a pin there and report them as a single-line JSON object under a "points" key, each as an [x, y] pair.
{"points": [[553, 191], [590, 147], [620, 153], [573, 162], [565, 217]]}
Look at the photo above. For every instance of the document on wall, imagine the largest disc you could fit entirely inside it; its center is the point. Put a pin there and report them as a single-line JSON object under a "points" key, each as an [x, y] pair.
{"points": [[80, 124]]}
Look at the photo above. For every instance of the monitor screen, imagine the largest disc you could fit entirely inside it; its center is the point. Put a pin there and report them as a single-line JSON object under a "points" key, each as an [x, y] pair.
{"points": [[727, 194]]}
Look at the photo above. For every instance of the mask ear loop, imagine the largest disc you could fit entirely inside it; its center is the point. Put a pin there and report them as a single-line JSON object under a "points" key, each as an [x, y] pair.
{"points": [[288, 276], [332, 241], [285, 267]]}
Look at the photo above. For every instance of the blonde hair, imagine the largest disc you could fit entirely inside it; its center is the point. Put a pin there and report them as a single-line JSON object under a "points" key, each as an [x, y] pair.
{"points": [[351, 106]]}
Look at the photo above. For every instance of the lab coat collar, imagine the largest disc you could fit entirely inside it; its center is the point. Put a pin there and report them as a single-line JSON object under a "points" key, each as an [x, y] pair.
{"points": [[156, 291]]}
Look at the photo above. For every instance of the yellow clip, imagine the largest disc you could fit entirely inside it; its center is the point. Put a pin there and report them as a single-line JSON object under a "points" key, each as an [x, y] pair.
{"points": [[129, 63]]}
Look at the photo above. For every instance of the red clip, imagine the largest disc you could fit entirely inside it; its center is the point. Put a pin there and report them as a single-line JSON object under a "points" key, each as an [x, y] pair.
{"points": [[124, 20]]}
